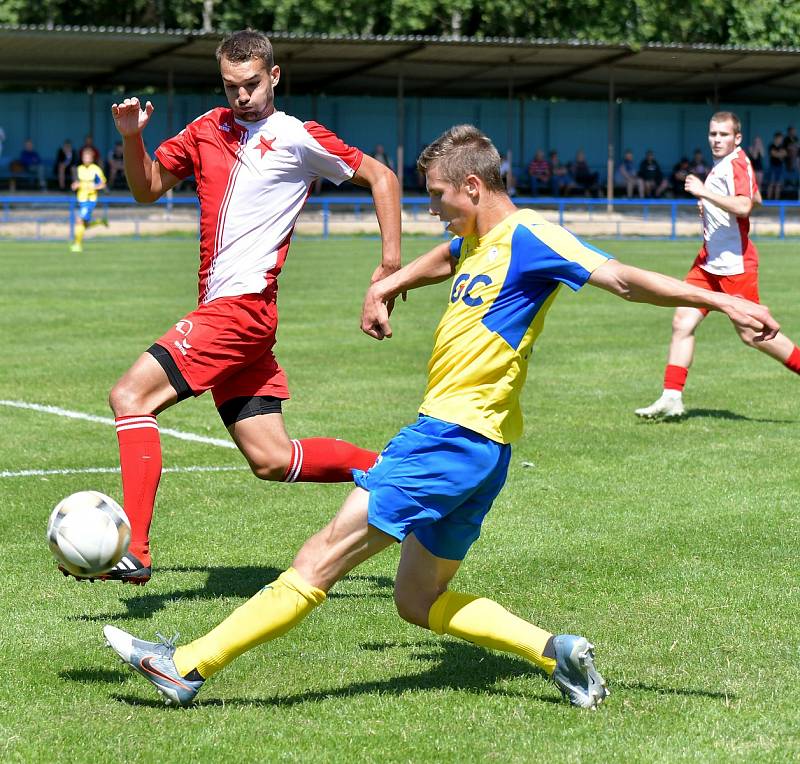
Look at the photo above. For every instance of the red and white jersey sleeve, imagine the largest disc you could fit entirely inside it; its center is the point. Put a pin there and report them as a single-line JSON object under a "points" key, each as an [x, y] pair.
{"points": [[727, 249], [253, 179]]}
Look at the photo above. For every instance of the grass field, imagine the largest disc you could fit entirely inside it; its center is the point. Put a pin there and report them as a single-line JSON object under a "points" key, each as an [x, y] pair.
{"points": [[674, 547]]}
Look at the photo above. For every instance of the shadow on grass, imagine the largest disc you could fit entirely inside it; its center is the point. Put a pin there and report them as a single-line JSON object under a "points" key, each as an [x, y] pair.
{"points": [[714, 414], [455, 665], [452, 665], [237, 581]]}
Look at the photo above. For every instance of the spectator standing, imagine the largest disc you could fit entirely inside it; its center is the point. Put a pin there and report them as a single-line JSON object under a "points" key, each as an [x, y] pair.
{"points": [[756, 154], [650, 172], [539, 173], [777, 158], [66, 162], [381, 155], [628, 177], [791, 174]]}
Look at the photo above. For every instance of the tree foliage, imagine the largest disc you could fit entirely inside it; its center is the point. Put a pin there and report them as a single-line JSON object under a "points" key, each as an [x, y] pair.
{"points": [[738, 22]]}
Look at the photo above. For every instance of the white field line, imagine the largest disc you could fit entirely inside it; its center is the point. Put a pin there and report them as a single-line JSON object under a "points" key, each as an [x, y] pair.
{"points": [[109, 421], [111, 470]]}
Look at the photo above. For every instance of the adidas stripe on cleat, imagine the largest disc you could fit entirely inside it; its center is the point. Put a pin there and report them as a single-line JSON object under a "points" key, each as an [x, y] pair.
{"points": [[575, 674], [129, 570], [153, 660]]}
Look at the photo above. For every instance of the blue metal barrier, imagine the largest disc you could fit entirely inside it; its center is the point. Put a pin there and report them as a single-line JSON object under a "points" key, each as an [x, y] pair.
{"points": [[415, 206]]}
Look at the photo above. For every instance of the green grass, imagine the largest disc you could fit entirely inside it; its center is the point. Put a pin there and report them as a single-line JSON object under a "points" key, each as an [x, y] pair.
{"points": [[672, 546]]}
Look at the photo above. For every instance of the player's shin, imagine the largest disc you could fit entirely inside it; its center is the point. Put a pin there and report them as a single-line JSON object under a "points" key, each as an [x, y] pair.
{"points": [[272, 612], [485, 623], [326, 460], [140, 463]]}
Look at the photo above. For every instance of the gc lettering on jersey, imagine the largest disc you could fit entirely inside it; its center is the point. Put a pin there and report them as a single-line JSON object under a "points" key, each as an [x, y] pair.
{"points": [[465, 285]]}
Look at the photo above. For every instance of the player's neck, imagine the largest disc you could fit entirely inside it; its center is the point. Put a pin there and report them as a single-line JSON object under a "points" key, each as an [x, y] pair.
{"points": [[493, 211]]}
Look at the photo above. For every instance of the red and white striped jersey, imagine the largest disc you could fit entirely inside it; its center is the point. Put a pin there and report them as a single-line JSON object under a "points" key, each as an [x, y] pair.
{"points": [[727, 249], [252, 181]]}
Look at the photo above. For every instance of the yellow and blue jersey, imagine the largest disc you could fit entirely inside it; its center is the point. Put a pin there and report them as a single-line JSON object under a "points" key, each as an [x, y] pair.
{"points": [[89, 177], [503, 286]]}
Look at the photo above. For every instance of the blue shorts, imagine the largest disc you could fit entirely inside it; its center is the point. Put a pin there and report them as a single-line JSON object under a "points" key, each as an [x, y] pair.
{"points": [[436, 480], [85, 210]]}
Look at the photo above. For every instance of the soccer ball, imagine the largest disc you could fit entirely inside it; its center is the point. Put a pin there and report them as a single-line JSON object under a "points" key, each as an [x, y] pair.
{"points": [[88, 533]]}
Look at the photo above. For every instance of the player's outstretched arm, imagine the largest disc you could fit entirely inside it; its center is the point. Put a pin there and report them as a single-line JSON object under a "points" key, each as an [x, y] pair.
{"points": [[431, 268], [385, 189], [147, 179], [639, 285]]}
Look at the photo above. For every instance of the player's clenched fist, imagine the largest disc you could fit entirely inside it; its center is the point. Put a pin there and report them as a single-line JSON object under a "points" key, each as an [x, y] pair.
{"points": [[129, 117]]}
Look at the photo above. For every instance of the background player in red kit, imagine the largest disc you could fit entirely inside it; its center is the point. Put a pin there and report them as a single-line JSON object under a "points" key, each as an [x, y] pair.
{"points": [[254, 167], [727, 262]]}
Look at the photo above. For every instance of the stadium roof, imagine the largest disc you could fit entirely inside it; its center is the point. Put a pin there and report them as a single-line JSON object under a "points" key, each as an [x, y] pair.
{"points": [[103, 57]]}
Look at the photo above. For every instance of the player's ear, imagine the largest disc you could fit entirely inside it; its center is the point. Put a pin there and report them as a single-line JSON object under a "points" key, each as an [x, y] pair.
{"points": [[275, 75], [473, 186], [737, 139]]}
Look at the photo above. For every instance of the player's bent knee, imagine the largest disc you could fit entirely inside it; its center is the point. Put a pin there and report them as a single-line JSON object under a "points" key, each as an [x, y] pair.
{"points": [[414, 608], [274, 471], [124, 399]]}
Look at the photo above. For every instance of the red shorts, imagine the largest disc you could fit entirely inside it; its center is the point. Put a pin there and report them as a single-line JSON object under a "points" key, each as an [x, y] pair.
{"points": [[226, 346], [741, 285]]}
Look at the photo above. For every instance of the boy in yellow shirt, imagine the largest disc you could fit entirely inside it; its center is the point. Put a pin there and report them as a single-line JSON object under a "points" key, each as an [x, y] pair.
{"points": [[90, 180]]}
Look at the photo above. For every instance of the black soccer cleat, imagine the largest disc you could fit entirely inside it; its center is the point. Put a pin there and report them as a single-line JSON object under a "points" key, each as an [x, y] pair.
{"points": [[129, 570]]}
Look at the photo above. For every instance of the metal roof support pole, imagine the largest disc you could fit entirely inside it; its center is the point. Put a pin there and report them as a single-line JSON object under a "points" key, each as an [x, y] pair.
{"points": [[510, 184], [90, 93], [170, 124], [610, 160], [401, 128]]}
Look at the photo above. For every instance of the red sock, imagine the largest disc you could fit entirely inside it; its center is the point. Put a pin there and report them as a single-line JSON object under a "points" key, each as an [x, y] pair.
{"points": [[140, 461], [326, 460], [675, 377], [793, 361]]}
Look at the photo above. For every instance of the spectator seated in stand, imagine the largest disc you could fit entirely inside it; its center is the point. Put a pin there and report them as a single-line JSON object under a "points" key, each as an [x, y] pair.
{"points": [[678, 178], [583, 178], [66, 162], [698, 166], [115, 165], [626, 176], [540, 175], [655, 184], [560, 180], [28, 165]]}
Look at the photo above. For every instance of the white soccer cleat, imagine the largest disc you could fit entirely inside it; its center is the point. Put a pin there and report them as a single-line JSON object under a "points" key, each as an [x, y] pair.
{"points": [[666, 407]]}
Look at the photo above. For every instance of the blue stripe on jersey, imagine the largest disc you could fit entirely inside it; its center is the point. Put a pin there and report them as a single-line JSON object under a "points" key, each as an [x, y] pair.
{"points": [[534, 273], [455, 247]]}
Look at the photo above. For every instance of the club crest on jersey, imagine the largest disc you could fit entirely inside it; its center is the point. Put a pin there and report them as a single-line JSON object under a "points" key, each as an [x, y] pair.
{"points": [[465, 285], [265, 145]]}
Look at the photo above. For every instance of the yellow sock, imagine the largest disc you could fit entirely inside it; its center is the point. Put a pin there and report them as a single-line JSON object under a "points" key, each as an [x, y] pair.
{"points": [[79, 231], [272, 612], [485, 623]]}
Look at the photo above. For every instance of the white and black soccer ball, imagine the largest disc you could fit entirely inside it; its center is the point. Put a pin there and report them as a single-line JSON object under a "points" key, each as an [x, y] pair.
{"points": [[88, 533]]}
